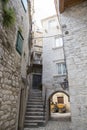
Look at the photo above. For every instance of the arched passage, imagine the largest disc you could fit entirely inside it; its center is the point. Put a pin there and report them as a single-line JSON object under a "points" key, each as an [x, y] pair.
{"points": [[59, 105]]}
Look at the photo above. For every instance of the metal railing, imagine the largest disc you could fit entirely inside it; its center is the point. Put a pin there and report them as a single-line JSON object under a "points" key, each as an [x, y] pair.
{"points": [[44, 105]]}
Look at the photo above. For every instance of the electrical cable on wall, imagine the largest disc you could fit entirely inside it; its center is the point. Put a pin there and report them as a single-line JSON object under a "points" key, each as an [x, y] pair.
{"points": [[60, 35]]}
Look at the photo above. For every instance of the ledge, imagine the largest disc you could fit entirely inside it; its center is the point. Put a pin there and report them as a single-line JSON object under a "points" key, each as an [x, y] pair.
{"points": [[55, 48], [57, 75]]}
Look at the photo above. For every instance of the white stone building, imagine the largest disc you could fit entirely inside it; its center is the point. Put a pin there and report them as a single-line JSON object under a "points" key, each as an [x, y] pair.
{"points": [[74, 26], [54, 66]]}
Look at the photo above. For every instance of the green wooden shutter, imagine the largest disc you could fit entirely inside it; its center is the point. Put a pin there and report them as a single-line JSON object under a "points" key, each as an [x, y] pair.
{"points": [[19, 43]]}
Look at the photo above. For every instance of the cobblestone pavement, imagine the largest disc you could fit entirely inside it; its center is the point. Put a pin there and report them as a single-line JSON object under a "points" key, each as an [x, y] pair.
{"points": [[55, 124]]}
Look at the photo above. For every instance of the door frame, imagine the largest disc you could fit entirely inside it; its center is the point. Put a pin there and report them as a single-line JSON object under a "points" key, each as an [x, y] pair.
{"points": [[32, 78]]}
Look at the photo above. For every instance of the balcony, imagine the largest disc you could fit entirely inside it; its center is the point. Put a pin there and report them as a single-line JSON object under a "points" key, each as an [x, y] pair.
{"points": [[37, 48], [37, 61]]}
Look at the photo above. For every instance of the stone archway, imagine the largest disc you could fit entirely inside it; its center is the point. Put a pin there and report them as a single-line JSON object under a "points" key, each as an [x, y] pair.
{"points": [[50, 93]]}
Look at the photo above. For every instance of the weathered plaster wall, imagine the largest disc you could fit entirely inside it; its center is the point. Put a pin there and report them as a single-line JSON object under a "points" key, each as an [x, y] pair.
{"points": [[10, 67], [74, 20]]}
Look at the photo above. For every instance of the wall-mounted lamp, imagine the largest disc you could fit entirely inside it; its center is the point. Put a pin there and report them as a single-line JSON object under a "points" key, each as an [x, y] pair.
{"points": [[64, 84]]}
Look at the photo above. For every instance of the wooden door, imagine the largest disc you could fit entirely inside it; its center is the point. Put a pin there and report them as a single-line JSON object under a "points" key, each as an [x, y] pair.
{"points": [[37, 79], [60, 100]]}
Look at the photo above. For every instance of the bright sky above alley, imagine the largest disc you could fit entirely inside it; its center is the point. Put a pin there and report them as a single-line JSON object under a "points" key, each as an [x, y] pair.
{"points": [[43, 9]]}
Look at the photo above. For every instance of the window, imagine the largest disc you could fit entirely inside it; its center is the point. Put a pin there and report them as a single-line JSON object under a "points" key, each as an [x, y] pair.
{"points": [[19, 43], [52, 23], [24, 3], [61, 68], [60, 100], [58, 42]]}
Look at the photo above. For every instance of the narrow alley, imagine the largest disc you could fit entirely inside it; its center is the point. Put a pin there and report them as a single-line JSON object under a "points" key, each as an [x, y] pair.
{"points": [[54, 125], [62, 122], [43, 64]]}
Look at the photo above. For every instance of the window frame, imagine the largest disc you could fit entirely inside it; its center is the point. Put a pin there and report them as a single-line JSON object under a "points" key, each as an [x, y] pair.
{"points": [[62, 68], [19, 35], [25, 9]]}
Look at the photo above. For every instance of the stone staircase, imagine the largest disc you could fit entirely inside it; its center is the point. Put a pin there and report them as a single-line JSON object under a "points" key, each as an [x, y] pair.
{"points": [[34, 116]]}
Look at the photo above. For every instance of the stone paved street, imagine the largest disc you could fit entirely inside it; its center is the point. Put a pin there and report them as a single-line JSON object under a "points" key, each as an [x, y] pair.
{"points": [[54, 125], [57, 124]]}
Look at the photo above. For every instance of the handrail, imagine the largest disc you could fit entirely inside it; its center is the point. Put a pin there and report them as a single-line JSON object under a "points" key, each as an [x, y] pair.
{"points": [[44, 106]]}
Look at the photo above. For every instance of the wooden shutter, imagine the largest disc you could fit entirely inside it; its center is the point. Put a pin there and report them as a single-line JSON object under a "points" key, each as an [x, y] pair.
{"points": [[19, 43]]}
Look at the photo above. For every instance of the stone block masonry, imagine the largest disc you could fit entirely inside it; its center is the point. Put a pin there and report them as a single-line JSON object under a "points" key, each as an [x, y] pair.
{"points": [[9, 89], [12, 68], [75, 45]]}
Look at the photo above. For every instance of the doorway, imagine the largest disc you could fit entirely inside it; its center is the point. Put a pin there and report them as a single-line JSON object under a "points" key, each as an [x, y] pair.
{"points": [[36, 81], [60, 106]]}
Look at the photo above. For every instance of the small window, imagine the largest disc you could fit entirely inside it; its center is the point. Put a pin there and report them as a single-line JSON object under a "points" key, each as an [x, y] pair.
{"points": [[61, 68], [58, 42], [24, 3], [60, 100], [19, 43], [52, 23]]}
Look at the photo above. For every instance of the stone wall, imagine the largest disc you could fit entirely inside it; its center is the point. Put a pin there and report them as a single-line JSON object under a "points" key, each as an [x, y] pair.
{"points": [[13, 67], [51, 56], [74, 23], [9, 90]]}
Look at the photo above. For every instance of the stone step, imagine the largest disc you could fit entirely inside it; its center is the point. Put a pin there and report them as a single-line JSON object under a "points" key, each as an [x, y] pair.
{"points": [[36, 91], [33, 117], [34, 124], [35, 113], [35, 106], [34, 109], [35, 103], [34, 121], [35, 94], [35, 98], [30, 125]]}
